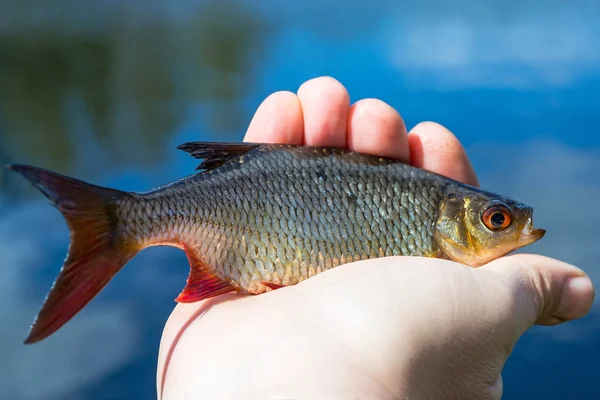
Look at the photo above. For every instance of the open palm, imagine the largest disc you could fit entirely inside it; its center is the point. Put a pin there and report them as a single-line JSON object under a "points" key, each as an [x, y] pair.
{"points": [[389, 328]]}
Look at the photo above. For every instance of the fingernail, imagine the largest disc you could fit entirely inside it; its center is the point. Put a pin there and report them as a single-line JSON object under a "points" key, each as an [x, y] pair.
{"points": [[577, 298]]}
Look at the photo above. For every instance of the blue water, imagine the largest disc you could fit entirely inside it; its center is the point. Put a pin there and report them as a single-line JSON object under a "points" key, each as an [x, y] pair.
{"points": [[106, 92]]}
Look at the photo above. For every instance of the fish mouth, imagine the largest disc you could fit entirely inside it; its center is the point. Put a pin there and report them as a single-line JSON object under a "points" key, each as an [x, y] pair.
{"points": [[530, 234]]}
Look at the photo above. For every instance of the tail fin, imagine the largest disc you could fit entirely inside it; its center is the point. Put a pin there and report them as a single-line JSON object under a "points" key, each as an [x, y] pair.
{"points": [[96, 252]]}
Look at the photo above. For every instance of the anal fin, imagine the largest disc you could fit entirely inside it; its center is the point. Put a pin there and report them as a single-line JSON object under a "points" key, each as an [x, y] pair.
{"points": [[202, 282]]}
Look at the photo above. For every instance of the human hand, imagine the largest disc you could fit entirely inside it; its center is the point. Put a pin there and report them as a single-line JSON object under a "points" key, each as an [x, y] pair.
{"points": [[395, 327]]}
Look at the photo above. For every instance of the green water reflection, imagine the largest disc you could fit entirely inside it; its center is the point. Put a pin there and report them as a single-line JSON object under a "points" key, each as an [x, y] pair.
{"points": [[112, 95]]}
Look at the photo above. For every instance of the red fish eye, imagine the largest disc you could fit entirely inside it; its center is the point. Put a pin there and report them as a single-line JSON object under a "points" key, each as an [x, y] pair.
{"points": [[497, 218]]}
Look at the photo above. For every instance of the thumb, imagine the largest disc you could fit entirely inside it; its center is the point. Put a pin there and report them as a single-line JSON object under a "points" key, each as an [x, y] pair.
{"points": [[543, 291]]}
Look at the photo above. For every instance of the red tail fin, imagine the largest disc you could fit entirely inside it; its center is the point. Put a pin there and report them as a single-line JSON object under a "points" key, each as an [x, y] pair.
{"points": [[96, 252]]}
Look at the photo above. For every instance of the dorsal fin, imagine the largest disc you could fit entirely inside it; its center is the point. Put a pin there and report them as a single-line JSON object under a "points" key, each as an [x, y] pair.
{"points": [[215, 154]]}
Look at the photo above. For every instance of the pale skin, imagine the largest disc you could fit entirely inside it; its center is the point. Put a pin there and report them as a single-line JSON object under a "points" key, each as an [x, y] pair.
{"points": [[390, 328]]}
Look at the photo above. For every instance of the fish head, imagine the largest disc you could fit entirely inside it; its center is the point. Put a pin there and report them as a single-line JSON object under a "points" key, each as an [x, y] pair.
{"points": [[474, 227]]}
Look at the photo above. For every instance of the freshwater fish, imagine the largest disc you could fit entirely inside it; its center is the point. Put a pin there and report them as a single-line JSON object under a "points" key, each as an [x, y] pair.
{"points": [[258, 217]]}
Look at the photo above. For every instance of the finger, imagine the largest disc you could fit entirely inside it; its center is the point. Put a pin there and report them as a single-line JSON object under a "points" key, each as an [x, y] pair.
{"points": [[325, 105], [376, 128], [543, 291], [436, 149], [277, 120]]}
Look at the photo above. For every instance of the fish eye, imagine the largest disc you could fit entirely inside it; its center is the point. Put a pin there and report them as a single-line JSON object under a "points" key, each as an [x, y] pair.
{"points": [[497, 217]]}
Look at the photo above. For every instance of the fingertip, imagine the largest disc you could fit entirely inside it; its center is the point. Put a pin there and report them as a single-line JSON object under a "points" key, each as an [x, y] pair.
{"points": [[325, 104], [278, 119], [375, 127], [577, 299], [435, 148], [557, 291]]}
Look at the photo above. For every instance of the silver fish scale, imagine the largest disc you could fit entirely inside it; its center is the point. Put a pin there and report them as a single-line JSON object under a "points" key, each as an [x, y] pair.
{"points": [[281, 216]]}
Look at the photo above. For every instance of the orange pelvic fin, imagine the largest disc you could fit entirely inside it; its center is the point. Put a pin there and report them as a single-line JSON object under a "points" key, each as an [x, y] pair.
{"points": [[272, 286], [96, 252], [202, 282]]}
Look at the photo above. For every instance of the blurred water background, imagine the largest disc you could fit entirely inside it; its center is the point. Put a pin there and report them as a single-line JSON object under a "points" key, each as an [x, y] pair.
{"points": [[105, 90]]}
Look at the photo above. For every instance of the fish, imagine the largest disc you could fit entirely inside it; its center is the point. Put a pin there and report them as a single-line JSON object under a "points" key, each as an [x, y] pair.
{"points": [[256, 217]]}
